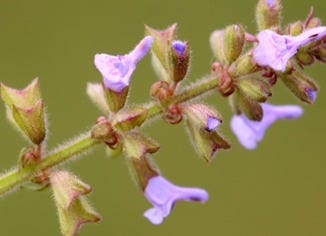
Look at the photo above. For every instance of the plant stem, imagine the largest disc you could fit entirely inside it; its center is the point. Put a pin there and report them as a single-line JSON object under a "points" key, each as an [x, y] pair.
{"points": [[18, 176]]}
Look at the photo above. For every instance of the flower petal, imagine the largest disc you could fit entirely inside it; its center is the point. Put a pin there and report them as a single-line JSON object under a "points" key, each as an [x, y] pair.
{"points": [[163, 195]]}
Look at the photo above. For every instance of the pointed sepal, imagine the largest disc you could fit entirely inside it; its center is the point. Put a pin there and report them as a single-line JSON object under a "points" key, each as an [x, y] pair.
{"points": [[301, 85], [202, 116], [136, 145], [254, 88], [129, 118], [142, 170], [243, 104], [73, 208], [206, 142], [24, 98], [115, 100], [161, 49], [96, 94], [31, 121]]}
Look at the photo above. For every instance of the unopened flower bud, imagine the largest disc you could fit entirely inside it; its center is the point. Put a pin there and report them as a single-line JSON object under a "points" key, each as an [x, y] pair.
{"points": [[244, 65], [172, 114], [225, 81], [103, 130], [268, 14], [254, 88], [180, 60], [304, 57], [234, 38], [301, 85], [243, 104], [29, 156], [160, 90], [296, 28]]}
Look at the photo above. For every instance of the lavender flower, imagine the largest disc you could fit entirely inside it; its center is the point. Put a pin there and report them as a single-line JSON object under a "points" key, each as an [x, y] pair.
{"points": [[179, 46], [275, 50], [249, 133], [270, 3], [163, 195], [212, 123], [117, 70]]}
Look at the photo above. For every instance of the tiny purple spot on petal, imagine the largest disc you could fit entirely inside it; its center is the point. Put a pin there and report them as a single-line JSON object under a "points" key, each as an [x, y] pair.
{"points": [[312, 94]]}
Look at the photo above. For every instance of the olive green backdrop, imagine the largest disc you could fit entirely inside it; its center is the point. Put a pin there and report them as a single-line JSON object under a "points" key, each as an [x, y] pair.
{"points": [[278, 189]]}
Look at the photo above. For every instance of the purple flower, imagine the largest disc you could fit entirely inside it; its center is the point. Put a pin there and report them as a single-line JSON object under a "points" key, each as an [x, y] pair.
{"points": [[212, 123], [117, 70], [179, 46], [249, 132], [163, 195], [275, 50], [270, 3]]}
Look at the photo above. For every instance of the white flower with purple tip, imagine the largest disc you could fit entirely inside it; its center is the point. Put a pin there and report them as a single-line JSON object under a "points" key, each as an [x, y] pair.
{"points": [[163, 195], [249, 132], [275, 50], [117, 70]]}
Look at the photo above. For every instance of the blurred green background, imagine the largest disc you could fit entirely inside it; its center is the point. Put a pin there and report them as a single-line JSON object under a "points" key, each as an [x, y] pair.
{"points": [[278, 189]]}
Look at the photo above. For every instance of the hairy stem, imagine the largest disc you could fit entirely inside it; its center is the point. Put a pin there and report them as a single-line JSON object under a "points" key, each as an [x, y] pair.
{"points": [[18, 176]]}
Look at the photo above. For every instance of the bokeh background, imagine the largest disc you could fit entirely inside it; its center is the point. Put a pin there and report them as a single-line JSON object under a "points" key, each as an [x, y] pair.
{"points": [[278, 189]]}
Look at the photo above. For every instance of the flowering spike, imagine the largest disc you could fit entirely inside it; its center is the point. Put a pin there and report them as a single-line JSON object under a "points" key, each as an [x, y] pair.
{"points": [[249, 132], [117, 70], [268, 14], [73, 208], [163, 195], [96, 93], [275, 50]]}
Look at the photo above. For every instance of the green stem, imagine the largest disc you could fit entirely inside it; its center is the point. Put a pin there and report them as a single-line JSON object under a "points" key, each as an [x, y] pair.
{"points": [[18, 176]]}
